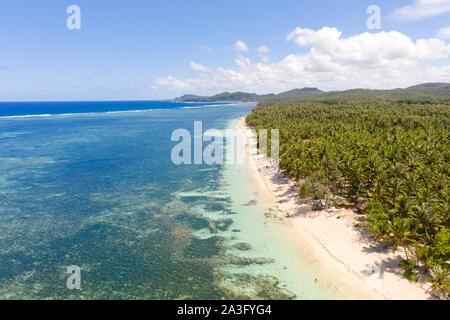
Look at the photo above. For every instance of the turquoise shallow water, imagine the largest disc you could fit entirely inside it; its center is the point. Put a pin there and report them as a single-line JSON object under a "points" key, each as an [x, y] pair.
{"points": [[100, 191]]}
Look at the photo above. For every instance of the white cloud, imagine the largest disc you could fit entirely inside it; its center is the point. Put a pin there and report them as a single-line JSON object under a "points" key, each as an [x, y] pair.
{"points": [[422, 9], [263, 49], [367, 48], [369, 60], [199, 67], [444, 33], [305, 36], [240, 46]]}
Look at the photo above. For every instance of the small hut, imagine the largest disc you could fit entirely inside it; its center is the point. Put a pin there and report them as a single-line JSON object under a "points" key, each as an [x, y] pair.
{"points": [[361, 206]]}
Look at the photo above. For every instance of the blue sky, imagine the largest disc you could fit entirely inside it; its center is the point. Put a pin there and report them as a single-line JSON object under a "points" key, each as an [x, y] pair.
{"points": [[158, 49]]}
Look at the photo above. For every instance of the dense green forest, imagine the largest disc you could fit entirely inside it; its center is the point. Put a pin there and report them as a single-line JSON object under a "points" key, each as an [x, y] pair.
{"points": [[389, 157]]}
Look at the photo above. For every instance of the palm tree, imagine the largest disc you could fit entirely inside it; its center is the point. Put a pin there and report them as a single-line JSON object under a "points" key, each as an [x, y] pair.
{"points": [[424, 254], [426, 220], [440, 281], [403, 207], [400, 235]]}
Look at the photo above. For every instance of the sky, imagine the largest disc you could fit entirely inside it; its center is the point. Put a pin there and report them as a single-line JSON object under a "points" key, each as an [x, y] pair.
{"points": [[143, 50]]}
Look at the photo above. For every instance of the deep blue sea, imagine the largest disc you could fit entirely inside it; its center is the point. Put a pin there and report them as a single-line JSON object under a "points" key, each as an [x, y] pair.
{"points": [[92, 184]]}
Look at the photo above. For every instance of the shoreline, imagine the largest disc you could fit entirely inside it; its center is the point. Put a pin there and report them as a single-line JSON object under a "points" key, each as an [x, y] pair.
{"points": [[361, 267]]}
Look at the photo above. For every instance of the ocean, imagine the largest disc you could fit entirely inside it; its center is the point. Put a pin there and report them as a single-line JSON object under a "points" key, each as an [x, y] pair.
{"points": [[92, 184]]}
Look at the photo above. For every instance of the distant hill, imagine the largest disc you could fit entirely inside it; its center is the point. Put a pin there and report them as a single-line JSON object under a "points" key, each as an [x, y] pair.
{"points": [[245, 96], [299, 92], [430, 85], [187, 97], [426, 91], [420, 91]]}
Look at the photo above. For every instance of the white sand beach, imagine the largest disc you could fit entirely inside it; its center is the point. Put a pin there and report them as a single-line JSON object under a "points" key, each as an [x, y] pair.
{"points": [[331, 236]]}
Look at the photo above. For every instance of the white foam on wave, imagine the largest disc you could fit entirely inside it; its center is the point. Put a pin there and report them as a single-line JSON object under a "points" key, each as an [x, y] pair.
{"points": [[26, 116], [209, 106], [78, 114]]}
